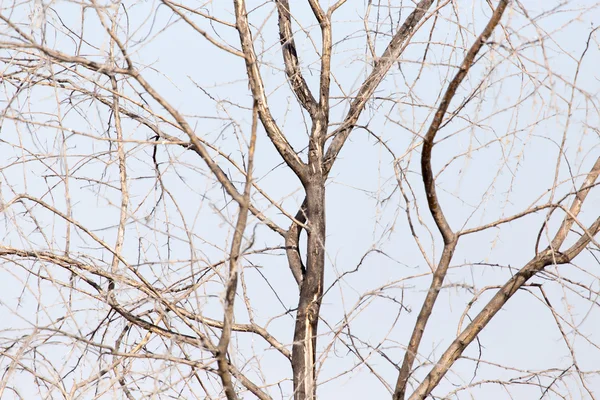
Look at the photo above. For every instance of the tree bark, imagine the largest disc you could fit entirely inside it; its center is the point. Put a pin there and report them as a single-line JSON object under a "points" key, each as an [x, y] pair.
{"points": [[311, 291], [305, 333]]}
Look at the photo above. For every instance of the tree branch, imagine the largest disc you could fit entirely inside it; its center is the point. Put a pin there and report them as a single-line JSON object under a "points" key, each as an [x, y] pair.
{"points": [[258, 91], [380, 69], [292, 245], [428, 178], [231, 287], [550, 256], [580, 196], [290, 58], [450, 238], [382, 66], [201, 31]]}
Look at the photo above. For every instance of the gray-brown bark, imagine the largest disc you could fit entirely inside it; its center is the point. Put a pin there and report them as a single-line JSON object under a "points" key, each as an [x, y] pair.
{"points": [[311, 283]]}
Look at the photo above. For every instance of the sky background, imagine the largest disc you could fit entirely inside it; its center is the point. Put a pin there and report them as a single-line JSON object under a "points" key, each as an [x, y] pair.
{"points": [[497, 157]]}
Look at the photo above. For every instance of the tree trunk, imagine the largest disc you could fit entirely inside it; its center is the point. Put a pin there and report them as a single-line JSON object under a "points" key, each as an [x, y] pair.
{"points": [[311, 291]]}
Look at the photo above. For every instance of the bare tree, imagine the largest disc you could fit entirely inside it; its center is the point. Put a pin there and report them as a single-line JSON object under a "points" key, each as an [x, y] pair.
{"points": [[232, 200]]}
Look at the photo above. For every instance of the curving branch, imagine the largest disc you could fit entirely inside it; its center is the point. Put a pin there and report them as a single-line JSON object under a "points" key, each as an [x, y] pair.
{"points": [[450, 238], [438, 118]]}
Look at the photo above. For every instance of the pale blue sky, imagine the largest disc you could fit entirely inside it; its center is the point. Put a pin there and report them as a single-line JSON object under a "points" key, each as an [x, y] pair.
{"points": [[513, 170]]}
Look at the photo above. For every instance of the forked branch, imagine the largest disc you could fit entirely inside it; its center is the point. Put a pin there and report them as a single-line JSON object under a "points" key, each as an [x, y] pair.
{"points": [[550, 256], [382, 66], [257, 87], [450, 238]]}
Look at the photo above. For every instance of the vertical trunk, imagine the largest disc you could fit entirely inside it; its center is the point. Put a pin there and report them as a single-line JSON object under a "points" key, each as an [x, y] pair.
{"points": [[307, 319], [305, 333]]}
